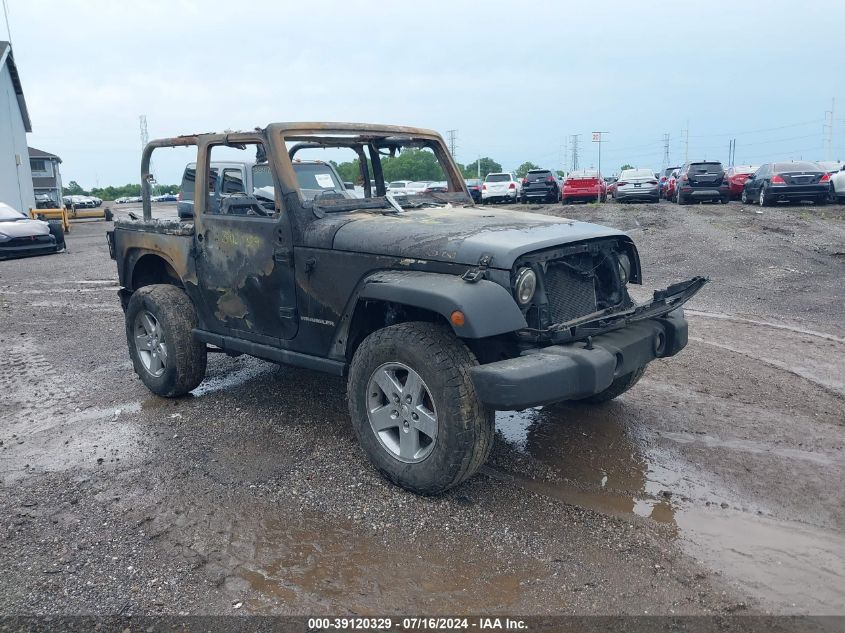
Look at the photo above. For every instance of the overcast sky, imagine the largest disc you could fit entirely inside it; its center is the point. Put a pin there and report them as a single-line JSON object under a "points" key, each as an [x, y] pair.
{"points": [[514, 79]]}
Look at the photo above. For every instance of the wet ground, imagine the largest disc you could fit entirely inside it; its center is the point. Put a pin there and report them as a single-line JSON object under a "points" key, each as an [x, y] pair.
{"points": [[714, 486]]}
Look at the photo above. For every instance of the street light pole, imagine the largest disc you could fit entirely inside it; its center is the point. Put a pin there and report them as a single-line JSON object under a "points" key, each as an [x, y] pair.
{"points": [[597, 138]]}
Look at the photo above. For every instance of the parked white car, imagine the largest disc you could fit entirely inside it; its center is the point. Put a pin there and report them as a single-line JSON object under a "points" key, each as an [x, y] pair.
{"points": [[837, 184], [398, 187], [637, 184], [500, 187], [417, 186]]}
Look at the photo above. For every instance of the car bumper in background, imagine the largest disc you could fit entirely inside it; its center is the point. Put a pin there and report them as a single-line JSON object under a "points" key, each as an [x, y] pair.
{"points": [[797, 192], [705, 193], [10, 252], [638, 193]]}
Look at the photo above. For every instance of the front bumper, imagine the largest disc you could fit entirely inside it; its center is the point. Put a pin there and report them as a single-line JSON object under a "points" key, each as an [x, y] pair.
{"points": [[578, 370]]}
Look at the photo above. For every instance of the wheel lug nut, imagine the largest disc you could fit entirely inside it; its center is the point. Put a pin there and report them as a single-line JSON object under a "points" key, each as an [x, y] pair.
{"points": [[408, 398], [415, 416]]}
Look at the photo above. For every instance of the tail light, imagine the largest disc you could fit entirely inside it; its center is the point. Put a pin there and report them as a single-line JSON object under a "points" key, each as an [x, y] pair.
{"points": [[621, 183], [484, 187], [652, 182], [179, 196], [550, 179], [525, 181], [684, 178], [777, 180], [825, 178], [512, 185]]}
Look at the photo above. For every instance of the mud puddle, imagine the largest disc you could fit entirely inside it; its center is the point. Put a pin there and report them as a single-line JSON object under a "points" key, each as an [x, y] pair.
{"points": [[307, 562], [607, 461]]}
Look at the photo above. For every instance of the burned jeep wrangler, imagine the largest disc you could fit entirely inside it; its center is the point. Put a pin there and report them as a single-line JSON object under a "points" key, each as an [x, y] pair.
{"points": [[438, 312]]}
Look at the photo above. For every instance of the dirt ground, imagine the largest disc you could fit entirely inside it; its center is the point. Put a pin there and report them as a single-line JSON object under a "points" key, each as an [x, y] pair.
{"points": [[714, 486]]}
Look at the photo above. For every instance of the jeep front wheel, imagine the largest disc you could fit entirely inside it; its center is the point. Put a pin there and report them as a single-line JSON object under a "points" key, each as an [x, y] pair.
{"points": [[414, 408], [159, 323]]}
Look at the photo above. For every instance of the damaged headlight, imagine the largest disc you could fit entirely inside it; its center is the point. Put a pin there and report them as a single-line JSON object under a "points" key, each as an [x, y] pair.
{"points": [[525, 286], [624, 267]]}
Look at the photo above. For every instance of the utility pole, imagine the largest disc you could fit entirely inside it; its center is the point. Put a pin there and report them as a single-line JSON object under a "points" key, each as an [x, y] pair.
{"points": [[8, 25], [597, 138], [145, 138], [685, 134], [828, 125], [575, 138], [478, 166], [666, 150], [453, 145]]}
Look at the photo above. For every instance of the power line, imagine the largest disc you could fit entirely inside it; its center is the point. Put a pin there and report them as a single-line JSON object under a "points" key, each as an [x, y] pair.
{"points": [[769, 129], [453, 145], [574, 139], [829, 127]]}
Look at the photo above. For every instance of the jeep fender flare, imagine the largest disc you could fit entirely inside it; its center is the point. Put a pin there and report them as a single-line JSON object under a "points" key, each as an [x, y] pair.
{"points": [[488, 308]]}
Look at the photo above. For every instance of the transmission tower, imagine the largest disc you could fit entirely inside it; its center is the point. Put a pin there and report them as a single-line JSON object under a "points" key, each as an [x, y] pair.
{"points": [[666, 158], [828, 126], [145, 137], [453, 141], [574, 139]]}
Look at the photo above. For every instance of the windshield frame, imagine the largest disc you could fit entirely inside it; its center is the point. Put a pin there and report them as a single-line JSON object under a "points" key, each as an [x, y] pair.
{"points": [[371, 143]]}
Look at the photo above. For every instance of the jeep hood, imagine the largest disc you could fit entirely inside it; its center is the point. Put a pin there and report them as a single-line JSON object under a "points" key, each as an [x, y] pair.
{"points": [[461, 234]]}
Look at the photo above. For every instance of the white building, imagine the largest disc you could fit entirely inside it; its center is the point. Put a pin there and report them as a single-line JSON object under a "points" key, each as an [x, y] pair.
{"points": [[15, 175]]}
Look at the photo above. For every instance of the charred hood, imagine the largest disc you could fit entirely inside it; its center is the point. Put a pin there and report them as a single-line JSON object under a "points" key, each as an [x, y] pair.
{"points": [[461, 234]]}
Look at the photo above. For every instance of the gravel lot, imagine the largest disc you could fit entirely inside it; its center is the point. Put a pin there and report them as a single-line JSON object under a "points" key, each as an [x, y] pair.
{"points": [[715, 486]]}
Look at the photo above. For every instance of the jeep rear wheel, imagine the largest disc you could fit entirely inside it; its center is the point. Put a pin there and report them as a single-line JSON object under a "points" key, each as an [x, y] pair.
{"points": [[159, 322], [414, 408]]}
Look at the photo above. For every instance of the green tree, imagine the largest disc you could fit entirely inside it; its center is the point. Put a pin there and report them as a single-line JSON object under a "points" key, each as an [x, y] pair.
{"points": [[349, 171], [524, 168], [412, 164], [488, 166], [626, 166], [73, 188]]}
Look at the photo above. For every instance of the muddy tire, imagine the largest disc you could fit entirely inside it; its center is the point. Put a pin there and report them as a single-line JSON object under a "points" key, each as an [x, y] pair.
{"points": [[159, 322], [414, 408], [617, 387]]}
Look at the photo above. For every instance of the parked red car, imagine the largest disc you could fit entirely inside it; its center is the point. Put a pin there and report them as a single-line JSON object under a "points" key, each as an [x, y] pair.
{"points": [[584, 184], [737, 176], [669, 187]]}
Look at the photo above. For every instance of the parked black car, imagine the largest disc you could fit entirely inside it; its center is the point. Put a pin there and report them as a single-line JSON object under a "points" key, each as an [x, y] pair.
{"points": [[779, 182], [540, 184], [701, 181], [474, 188]]}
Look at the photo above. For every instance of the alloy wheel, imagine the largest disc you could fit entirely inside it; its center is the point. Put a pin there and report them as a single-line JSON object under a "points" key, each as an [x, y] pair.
{"points": [[401, 412], [150, 343]]}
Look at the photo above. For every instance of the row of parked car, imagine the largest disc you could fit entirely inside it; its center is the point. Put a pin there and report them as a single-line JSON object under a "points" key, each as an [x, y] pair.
{"points": [[766, 184], [165, 197], [81, 202], [694, 181]]}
